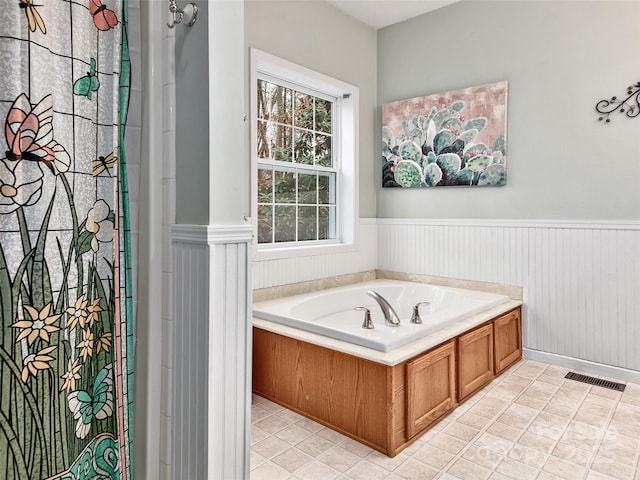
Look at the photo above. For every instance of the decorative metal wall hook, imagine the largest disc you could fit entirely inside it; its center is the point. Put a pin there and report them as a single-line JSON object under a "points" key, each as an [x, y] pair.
{"points": [[630, 105], [188, 14]]}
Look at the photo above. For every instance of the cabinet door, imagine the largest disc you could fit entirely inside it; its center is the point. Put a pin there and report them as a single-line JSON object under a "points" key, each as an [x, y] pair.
{"points": [[431, 387], [507, 331], [475, 360]]}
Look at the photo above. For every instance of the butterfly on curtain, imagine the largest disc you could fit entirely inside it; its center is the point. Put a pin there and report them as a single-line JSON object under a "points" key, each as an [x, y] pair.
{"points": [[89, 83], [33, 16], [104, 164], [102, 16], [98, 404], [29, 134]]}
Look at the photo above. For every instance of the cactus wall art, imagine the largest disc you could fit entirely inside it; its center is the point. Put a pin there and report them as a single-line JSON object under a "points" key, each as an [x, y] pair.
{"points": [[445, 139]]}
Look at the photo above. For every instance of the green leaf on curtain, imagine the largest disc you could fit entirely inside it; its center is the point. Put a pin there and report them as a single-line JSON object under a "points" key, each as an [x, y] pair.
{"points": [[6, 307], [18, 286], [41, 283], [14, 445], [100, 293], [84, 242]]}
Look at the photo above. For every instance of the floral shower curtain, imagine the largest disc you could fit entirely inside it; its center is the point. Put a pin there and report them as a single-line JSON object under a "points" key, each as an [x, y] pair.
{"points": [[66, 324]]}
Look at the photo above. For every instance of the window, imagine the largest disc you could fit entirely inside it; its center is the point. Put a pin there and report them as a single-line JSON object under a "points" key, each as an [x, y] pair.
{"points": [[304, 157], [297, 171]]}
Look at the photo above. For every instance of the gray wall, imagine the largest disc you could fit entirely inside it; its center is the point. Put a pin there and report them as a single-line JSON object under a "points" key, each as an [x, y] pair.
{"points": [[318, 36], [192, 120], [559, 58], [212, 168]]}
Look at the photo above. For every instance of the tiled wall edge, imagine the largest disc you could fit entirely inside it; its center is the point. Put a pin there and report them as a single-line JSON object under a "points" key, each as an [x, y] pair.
{"points": [[279, 291], [512, 291]]}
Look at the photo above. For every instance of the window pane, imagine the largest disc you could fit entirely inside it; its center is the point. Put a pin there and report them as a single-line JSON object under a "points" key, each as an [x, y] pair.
{"points": [[323, 150], [285, 223], [304, 147], [274, 102], [285, 186], [307, 190], [280, 137], [274, 141], [263, 98], [304, 110], [265, 184], [307, 223], [323, 115], [265, 224], [264, 146], [327, 223], [327, 188]]}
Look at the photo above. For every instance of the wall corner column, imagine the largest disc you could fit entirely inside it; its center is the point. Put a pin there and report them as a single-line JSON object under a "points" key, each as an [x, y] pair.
{"points": [[212, 351]]}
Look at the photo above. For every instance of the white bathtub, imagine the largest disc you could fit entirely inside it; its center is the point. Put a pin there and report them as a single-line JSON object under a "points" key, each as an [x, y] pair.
{"points": [[331, 312]]}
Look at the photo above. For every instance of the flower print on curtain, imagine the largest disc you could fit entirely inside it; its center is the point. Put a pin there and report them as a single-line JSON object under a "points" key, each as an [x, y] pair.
{"points": [[66, 323]]}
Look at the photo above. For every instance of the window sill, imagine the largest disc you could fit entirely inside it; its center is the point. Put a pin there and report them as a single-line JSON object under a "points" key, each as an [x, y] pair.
{"points": [[302, 251]]}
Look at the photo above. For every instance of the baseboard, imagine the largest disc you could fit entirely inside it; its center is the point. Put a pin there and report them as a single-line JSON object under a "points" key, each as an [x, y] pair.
{"points": [[594, 368]]}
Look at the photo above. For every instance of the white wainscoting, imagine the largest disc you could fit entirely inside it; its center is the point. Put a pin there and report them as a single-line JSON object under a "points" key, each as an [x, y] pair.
{"points": [[212, 358], [269, 273], [581, 279]]}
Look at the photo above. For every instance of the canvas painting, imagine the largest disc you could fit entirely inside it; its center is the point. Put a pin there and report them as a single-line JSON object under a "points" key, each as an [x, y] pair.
{"points": [[445, 139]]}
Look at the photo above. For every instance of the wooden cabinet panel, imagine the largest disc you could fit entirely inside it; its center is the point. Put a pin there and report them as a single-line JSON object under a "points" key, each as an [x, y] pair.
{"points": [[507, 332], [348, 393], [431, 387], [384, 407], [475, 360]]}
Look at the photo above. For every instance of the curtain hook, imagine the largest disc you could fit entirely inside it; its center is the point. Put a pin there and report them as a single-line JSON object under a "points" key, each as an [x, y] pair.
{"points": [[189, 14]]}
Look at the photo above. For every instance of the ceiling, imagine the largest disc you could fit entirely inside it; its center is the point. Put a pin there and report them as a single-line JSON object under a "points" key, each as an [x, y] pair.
{"points": [[380, 13]]}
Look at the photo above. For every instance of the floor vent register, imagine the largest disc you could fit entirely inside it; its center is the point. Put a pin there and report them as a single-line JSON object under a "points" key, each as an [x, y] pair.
{"points": [[596, 381]]}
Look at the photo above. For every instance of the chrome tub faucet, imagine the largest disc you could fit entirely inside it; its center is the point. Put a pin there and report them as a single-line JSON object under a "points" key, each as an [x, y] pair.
{"points": [[415, 318], [391, 318]]}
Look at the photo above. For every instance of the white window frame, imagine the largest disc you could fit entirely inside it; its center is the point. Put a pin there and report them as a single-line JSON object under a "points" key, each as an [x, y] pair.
{"points": [[345, 145]]}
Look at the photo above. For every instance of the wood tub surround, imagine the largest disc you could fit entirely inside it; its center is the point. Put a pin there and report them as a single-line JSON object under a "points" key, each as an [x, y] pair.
{"points": [[386, 407], [508, 340], [475, 360], [431, 388]]}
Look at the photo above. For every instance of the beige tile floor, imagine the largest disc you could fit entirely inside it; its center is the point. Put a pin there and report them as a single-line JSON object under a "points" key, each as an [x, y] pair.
{"points": [[529, 423]]}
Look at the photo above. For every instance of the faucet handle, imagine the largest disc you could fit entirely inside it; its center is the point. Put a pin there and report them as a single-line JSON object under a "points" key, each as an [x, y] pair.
{"points": [[415, 318], [368, 324]]}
